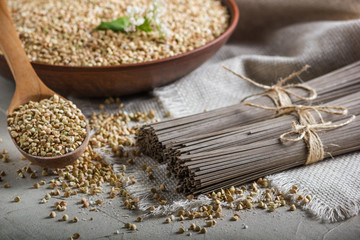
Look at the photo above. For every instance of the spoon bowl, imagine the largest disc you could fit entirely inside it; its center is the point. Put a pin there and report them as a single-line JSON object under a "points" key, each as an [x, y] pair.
{"points": [[57, 161], [29, 87]]}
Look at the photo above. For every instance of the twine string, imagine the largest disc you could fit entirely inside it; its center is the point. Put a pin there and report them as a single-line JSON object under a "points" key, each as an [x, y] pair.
{"points": [[308, 126], [279, 93], [308, 133], [300, 109]]}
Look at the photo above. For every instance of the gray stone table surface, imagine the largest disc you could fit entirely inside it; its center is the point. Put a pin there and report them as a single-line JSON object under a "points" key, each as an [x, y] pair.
{"points": [[29, 220]]}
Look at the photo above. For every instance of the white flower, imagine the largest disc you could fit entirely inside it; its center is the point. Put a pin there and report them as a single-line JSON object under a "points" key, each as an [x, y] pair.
{"points": [[132, 28], [139, 21], [132, 20], [149, 15], [139, 11], [137, 17], [136, 9], [129, 10]]}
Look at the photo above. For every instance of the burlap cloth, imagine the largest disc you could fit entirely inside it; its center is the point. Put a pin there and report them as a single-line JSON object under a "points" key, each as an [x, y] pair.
{"points": [[273, 39]]}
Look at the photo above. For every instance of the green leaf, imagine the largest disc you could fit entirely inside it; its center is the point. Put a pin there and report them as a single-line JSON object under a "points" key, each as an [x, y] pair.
{"points": [[117, 25], [145, 27]]}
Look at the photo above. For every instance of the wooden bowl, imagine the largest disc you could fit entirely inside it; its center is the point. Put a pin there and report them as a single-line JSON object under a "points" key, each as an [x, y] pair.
{"points": [[127, 79]]}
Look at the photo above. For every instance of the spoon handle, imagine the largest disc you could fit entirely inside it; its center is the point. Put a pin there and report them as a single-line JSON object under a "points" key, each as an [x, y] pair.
{"points": [[11, 46], [27, 82]]}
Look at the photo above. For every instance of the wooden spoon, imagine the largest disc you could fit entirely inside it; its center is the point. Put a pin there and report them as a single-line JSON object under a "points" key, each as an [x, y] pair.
{"points": [[29, 87]]}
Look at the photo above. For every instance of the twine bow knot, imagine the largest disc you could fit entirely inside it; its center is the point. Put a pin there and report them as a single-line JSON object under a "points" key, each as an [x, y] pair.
{"points": [[308, 133]]}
